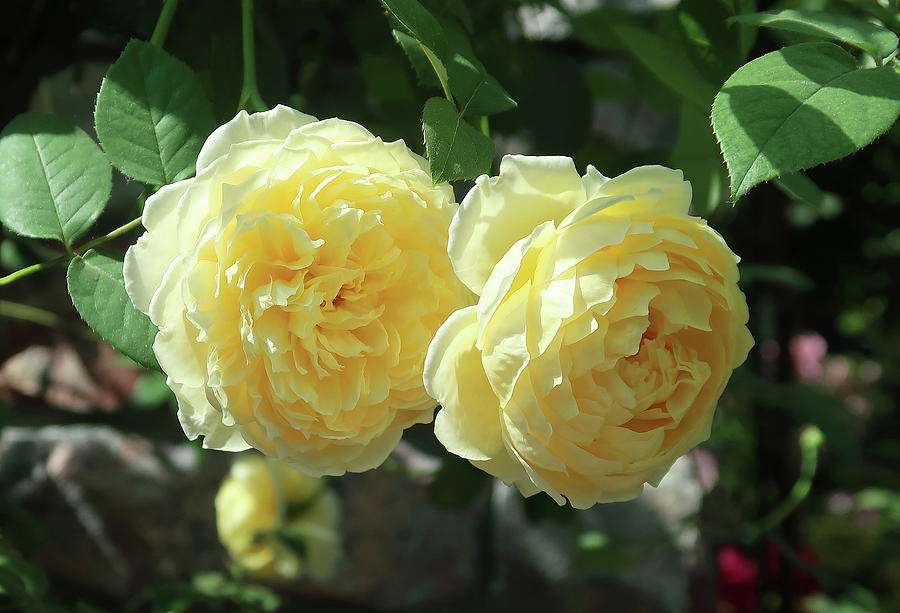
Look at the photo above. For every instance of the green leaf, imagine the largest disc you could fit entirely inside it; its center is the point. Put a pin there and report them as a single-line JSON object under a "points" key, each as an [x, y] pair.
{"points": [[420, 24], [798, 107], [417, 58], [668, 62], [476, 92], [152, 115], [784, 276], [456, 149], [56, 180], [799, 186], [696, 154], [887, 15], [819, 407], [715, 49], [20, 580], [458, 9], [869, 37], [669, 65], [810, 203], [97, 288]]}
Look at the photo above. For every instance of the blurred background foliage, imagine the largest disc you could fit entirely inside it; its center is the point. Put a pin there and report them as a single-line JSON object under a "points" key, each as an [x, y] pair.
{"points": [[793, 504]]}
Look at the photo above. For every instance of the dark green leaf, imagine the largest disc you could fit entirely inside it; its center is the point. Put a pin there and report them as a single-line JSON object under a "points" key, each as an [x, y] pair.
{"points": [[97, 288], [456, 485], [476, 92], [798, 107], [810, 203], [20, 580], [887, 15], [869, 37], [152, 115], [669, 63], [784, 276], [799, 186], [671, 67], [819, 407], [417, 58], [56, 180], [419, 23], [459, 10], [696, 154], [456, 149], [714, 48]]}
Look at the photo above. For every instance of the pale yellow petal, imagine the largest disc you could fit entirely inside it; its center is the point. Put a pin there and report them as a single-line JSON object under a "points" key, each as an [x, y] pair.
{"points": [[504, 209], [468, 424], [275, 124]]}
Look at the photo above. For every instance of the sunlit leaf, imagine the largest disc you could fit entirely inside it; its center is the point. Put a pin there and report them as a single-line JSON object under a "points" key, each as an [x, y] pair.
{"points": [[456, 149], [798, 107], [867, 36], [152, 115], [56, 180]]}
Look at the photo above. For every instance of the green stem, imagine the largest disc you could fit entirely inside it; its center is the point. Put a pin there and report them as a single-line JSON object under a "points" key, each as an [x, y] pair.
{"points": [[27, 312], [278, 488], [162, 24], [131, 225], [250, 97], [29, 270], [485, 126], [811, 439]]}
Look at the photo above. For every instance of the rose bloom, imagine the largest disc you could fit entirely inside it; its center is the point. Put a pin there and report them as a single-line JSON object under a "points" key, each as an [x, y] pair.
{"points": [[296, 282], [608, 323], [276, 522]]}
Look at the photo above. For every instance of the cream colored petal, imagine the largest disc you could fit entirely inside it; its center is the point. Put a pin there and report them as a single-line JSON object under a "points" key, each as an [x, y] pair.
{"points": [[591, 207], [506, 468], [334, 130], [503, 344], [145, 266], [504, 273], [575, 243], [655, 190], [175, 346], [198, 418], [501, 210], [469, 422], [593, 181], [274, 124], [148, 259], [160, 205]]}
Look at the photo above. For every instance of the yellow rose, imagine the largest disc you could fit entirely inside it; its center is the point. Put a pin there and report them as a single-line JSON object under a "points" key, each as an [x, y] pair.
{"points": [[296, 282], [608, 323], [277, 522]]}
